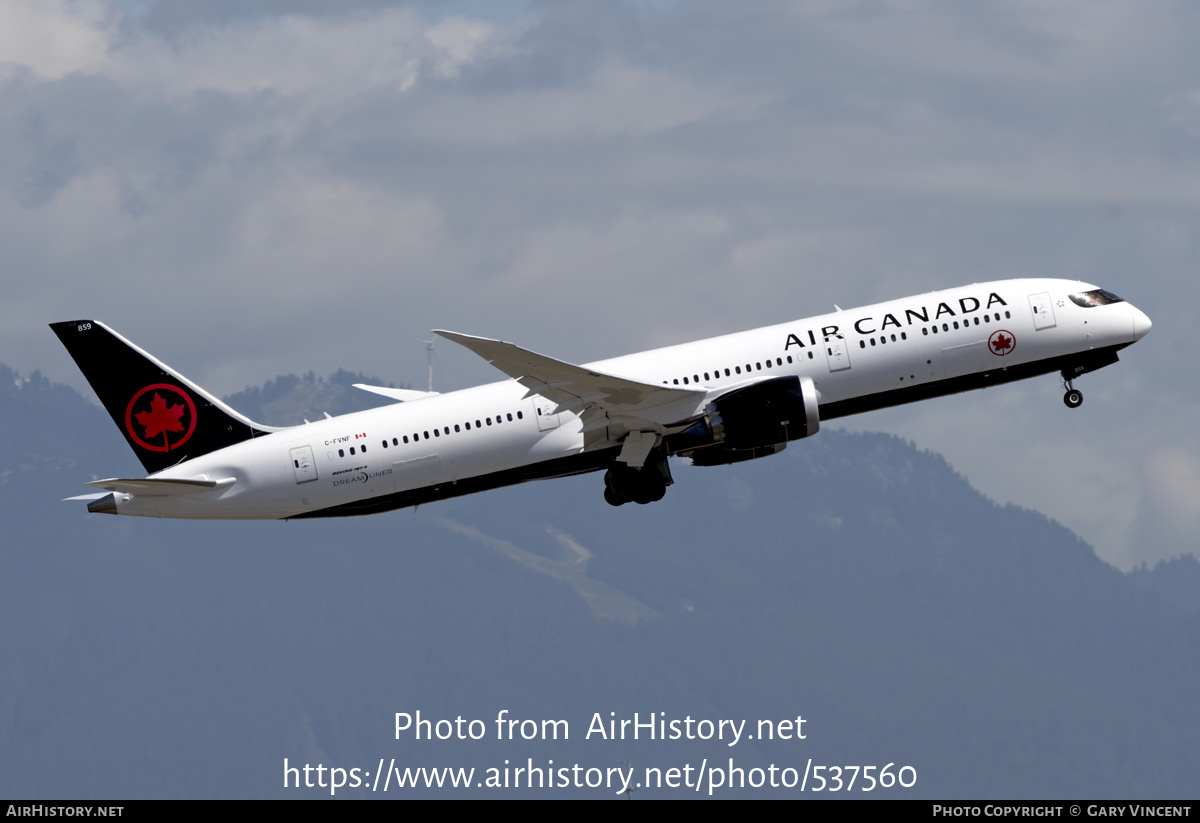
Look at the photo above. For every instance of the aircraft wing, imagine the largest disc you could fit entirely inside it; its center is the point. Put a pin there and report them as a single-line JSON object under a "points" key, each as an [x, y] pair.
{"points": [[598, 397], [403, 395]]}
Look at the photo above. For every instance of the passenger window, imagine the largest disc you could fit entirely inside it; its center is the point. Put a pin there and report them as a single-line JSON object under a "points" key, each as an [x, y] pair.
{"points": [[510, 417], [862, 344], [695, 378], [456, 428], [520, 416], [727, 372], [406, 438], [437, 433], [396, 442], [685, 382], [789, 358], [351, 450], [706, 377], [341, 453], [738, 369], [489, 420]]}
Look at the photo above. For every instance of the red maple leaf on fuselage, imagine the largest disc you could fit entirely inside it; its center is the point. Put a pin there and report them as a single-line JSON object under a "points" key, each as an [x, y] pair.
{"points": [[161, 417], [1002, 343]]}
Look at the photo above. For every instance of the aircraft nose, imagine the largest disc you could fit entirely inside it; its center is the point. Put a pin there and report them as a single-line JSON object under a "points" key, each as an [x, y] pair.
{"points": [[1141, 323]]}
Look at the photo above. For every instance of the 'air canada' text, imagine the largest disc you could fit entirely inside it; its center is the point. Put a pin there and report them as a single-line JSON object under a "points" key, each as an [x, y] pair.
{"points": [[871, 324]]}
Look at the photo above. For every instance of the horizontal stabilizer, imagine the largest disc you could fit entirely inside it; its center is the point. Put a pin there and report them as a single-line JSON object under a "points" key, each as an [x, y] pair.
{"points": [[403, 395], [160, 486]]}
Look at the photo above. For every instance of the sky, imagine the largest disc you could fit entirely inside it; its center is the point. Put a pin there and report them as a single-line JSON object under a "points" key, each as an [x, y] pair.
{"points": [[247, 190]]}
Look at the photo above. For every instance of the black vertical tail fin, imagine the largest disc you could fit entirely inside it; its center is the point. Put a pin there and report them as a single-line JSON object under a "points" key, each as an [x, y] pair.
{"points": [[165, 417]]}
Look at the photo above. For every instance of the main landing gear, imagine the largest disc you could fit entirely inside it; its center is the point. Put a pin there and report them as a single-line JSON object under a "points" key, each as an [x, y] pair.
{"points": [[637, 484], [624, 484], [1074, 397]]}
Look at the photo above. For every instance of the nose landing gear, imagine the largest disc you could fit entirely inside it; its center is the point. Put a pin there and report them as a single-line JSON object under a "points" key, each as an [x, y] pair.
{"points": [[1074, 397]]}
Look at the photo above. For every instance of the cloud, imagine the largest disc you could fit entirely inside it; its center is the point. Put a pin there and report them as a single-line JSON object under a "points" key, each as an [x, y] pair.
{"points": [[54, 38], [1170, 517], [598, 178], [618, 100]]}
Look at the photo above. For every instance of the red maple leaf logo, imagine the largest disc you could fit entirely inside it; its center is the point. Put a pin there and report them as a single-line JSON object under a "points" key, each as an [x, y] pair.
{"points": [[167, 425], [1001, 343], [161, 417]]}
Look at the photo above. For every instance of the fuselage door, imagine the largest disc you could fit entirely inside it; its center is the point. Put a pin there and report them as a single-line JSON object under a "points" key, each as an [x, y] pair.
{"points": [[1043, 312], [835, 350], [303, 464], [543, 410]]}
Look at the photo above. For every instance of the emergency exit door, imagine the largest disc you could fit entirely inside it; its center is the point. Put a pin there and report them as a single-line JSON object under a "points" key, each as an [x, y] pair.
{"points": [[837, 353]]}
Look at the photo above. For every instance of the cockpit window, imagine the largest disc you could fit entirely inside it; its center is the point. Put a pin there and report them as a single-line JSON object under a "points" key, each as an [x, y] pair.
{"points": [[1099, 297]]}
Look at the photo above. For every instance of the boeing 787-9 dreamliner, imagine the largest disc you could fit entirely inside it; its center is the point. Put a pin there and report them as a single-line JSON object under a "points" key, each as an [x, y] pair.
{"points": [[716, 401]]}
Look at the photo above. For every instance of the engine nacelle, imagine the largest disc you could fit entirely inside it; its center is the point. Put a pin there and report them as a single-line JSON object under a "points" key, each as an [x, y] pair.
{"points": [[751, 422], [721, 455]]}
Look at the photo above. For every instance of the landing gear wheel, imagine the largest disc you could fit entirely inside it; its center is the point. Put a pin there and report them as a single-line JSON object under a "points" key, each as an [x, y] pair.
{"points": [[634, 485], [656, 491], [1073, 398]]}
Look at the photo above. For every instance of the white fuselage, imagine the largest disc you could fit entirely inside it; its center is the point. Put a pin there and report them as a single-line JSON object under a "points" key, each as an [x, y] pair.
{"points": [[858, 359]]}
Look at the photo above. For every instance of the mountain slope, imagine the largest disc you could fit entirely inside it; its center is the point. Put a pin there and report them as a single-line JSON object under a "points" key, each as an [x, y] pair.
{"points": [[853, 580]]}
